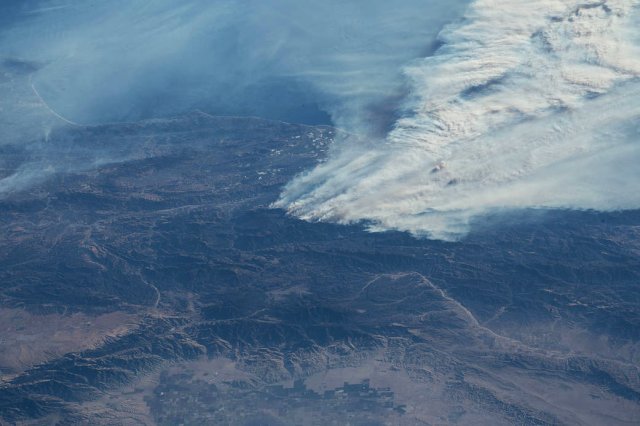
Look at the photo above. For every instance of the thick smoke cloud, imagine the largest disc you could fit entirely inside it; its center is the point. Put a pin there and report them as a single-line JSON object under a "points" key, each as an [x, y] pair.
{"points": [[526, 105], [457, 108]]}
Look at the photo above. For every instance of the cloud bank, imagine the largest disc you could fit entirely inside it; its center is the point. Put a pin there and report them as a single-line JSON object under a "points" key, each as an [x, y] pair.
{"points": [[525, 105]]}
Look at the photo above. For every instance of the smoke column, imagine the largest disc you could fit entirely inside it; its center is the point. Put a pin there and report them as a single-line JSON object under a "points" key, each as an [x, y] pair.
{"points": [[525, 105]]}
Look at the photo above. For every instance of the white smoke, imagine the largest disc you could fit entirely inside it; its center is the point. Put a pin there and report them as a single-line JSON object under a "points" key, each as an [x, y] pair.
{"points": [[526, 105]]}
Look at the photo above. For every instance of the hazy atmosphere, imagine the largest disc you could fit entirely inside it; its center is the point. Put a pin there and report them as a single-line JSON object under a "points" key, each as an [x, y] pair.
{"points": [[336, 212]]}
